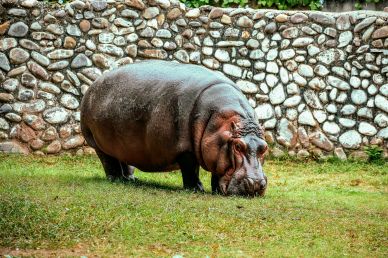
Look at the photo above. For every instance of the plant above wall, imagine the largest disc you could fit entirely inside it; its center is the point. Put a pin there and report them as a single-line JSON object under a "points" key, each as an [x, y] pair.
{"points": [[279, 4], [257, 4], [290, 4], [359, 3]]}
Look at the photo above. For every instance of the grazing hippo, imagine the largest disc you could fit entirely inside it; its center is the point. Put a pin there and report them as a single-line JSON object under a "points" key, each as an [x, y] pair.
{"points": [[162, 116]]}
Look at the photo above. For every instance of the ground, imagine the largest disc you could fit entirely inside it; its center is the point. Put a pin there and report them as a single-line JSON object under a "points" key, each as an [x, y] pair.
{"points": [[64, 206]]}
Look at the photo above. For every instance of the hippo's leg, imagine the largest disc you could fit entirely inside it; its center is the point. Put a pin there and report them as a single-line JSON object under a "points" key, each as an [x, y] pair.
{"points": [[215, 184], [190, 171], [131, 173], [114, 169]]}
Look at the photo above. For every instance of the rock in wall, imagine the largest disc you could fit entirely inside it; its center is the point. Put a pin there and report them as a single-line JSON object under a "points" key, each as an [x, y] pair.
{"points": [[317, 81]]}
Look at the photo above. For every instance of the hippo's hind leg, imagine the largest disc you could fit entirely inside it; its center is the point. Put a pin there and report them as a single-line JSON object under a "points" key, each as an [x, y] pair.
{"points": [[131, 173], [114, 169], [190, 171]]}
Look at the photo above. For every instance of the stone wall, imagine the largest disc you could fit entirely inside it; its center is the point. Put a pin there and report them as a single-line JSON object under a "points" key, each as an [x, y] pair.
{"points": [[317, 81]]}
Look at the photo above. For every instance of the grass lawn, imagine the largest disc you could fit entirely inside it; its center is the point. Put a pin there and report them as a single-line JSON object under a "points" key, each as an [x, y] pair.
{"points": [[64, 206]]}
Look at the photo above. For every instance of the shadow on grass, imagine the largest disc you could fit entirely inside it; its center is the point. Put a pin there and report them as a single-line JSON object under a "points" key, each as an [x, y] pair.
{"points": [[145, 184], [154, 185]]}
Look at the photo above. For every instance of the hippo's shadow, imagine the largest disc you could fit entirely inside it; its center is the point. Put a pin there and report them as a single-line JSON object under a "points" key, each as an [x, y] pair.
{"points": [[142, 183]]}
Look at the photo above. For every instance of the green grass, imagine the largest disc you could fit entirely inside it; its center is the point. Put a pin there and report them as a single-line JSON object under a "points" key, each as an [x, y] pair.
{"points": [[64, 206]]}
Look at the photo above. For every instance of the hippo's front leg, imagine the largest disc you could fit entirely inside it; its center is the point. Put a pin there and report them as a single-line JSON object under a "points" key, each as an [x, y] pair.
{"points": [[215, 184], [190, 171]]}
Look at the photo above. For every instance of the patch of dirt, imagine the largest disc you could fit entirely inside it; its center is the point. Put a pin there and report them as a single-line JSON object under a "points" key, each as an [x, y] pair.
{"points": [[355, 182], [77, 251]]}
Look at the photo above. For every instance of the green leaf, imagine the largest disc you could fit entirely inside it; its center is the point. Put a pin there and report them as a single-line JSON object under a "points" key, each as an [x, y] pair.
{"points": [[358, 6]]}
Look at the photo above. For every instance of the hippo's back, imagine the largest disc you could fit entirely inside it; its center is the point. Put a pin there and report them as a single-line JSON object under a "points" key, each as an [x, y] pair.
{"points": [[160, 75], [140, 113]]}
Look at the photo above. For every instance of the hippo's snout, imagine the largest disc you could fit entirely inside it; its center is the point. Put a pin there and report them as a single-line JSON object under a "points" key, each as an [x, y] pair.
{"points": [[246, 186], [255, 187]]}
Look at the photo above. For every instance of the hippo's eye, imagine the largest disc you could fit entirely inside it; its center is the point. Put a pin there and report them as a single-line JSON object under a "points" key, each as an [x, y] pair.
{"points": [[239, 146]]}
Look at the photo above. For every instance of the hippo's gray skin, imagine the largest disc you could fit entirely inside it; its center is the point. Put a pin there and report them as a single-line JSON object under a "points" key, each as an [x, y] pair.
{"points": [[161, 116]]}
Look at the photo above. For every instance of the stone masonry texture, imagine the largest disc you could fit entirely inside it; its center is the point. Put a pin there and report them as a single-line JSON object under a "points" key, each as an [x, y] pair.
{"points": [[317, 81]]}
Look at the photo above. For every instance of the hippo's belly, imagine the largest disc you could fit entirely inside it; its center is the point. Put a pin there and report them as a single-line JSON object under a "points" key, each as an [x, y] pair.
{"points": [[149, 142]]}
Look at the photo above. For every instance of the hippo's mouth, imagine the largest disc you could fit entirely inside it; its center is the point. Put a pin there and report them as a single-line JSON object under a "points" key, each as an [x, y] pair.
{"points": [[255, 188], [245, 187]]}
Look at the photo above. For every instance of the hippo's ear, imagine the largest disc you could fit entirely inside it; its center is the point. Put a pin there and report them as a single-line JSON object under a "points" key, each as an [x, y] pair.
{"points": [[235, 128]]}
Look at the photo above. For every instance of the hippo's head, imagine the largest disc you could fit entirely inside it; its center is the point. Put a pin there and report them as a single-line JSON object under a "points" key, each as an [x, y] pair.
{"points": [[237, 167]]}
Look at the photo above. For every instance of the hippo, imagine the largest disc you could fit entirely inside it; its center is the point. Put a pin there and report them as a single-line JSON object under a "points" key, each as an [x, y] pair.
{"points": [[161, 116]]}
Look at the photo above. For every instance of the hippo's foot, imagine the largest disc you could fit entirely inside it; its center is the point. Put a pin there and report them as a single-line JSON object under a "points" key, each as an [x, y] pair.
{"points": [[130, 175], [116, 170], [117, 179], [197, 188], [125, 177], [132, 178], [190, 172]]}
